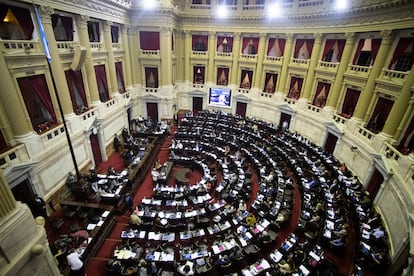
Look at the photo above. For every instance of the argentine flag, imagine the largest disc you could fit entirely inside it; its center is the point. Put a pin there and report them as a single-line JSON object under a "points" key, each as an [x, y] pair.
{"points": [[43, 36]]}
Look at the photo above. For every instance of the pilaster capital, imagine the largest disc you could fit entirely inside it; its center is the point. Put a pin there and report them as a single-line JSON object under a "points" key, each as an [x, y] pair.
{"points": [[350, 37], [107, 25], [237, 36], [386, 36], [212, 34], [262, 36], [289, 37], [318, 37], [131, 29], [165, 29], [187, 34], [45, 12], [82, 21]]}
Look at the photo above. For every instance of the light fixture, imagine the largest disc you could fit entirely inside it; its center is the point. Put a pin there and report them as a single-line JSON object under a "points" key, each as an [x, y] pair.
{"points": [[221, 11], [150, 4], [341, 4], [274, 10]]}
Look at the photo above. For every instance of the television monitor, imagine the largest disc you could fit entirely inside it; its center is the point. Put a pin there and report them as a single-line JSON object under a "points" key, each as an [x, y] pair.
{"points": [[219, 97]]}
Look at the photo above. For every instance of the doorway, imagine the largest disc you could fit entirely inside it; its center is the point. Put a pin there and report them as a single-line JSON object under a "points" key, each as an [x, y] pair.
{"points": [[241, 109], [197, 105], [330, 143], [152, 111]]}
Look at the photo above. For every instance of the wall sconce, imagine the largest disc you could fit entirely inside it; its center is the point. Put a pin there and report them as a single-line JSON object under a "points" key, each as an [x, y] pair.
{"points": [[354, 148], [388, 153]]}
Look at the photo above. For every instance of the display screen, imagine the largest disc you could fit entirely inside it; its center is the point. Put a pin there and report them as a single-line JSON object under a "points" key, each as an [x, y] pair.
{"points": [[220, 97]]}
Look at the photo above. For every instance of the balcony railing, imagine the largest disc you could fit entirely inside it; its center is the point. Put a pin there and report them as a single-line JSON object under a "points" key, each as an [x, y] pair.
{"points": [[243, 90], [290, 100], [15, 155], [151, 90], [222, 54], [359, 69], [199, 53], [65, 45], [200, 7], [392, 75], [253, 7], [339, 119], [300, 61], [96, 46], [314, 108], [328, 64], [19, 46], [150, 52], [266, 95], [274, 59], [391, 153], [365, 133], [198, 85], [249, 56]]}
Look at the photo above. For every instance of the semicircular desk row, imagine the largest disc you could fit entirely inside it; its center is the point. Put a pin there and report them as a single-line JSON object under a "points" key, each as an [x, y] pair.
{"points": [[213, 228]]}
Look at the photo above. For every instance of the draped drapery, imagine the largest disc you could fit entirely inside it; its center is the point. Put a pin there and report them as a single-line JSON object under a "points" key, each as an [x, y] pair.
{"points": [[407, 142], [241, 109], [358, 51], [329, 45], [152, 111], [250, 45], [299, 44], [101, 80], [295, 87], [380, 114], [322, 91], [120, 77], [37, 99], [270, 83], [149, 40], [199, 42], [23, 17], [96, 150], [376, 43], [401, 48], [224, 47], [198, 74], [151, 77], [374, 183], [94, 31], [272, 44], [67, 24], [350, 101], [222, 75], [246, 79], [76, 90], [114, 34]]}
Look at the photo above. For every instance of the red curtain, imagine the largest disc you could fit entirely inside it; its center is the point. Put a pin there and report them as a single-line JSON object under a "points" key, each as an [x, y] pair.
{"points": [[35, 91], [249, 75], [172, 41], [341, 46], [220, 40], [198, 74], [75, 83], [380, 114], [151, 77], [241, 109], [267, 88], [358, 50], [329, 44], [100, 73], [93, 31], [272, 41], [322, 92], [152, 111], [330, 143], [67, 23], [149, 40], [376, 43], [350, 101], [222, 71], [3, 144], [299, 44], [23, 16], [245, 43], [282, 43], [120, 76], [96, 150], [407, 142], [199, 42], [374, 183], [295, 87], [115, 34], [402, 45], [197, 105]]}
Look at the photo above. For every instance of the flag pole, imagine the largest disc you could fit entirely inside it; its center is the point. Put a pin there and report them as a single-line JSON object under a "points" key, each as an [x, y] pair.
{"points": [[49, 60]]}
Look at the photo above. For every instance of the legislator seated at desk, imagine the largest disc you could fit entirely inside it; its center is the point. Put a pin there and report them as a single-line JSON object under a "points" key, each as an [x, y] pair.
{"points": [[186, 268]]}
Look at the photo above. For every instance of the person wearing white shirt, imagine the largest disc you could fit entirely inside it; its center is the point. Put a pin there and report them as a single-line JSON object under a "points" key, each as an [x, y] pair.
{"points": [[75, 263]]}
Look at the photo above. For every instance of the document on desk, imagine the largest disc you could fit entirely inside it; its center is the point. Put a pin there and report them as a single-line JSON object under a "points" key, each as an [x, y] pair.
{"points": [[105, 214], [91, 226]]}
